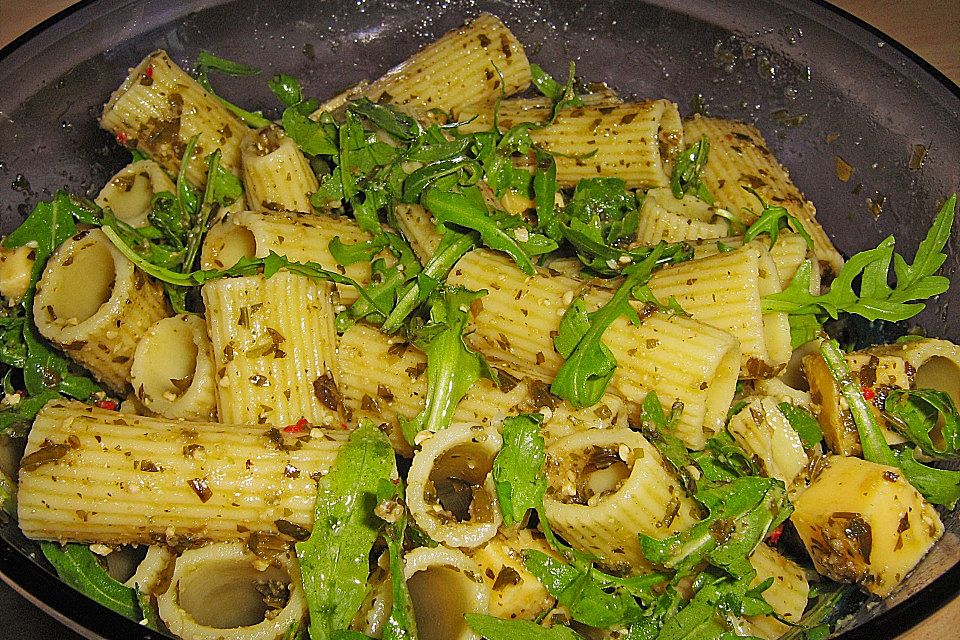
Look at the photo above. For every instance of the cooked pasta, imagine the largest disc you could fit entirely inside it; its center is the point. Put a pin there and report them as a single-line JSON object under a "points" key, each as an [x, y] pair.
{"points": [[456, 364], [100, 323]]}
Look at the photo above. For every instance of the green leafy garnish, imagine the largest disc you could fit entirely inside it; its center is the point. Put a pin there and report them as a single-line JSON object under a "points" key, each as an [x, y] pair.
{"points": [[686, 172], [78, 567], [803, 423], [772, 219], [493, 628], [334, 560], [401, 624], [561, 95], [741, 514], [207, 62], [927, 418], [452, 367], [518, 467], [876, 299]]}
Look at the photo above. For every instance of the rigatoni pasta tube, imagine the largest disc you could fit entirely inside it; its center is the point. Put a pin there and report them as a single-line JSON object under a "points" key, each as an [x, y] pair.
{"points": [[450, 489], [664, 217], [276, 175], [675, 356], [224, 592], [739, 157], [173, 372], [444, 585], [514, 111], [91, 475], [159, 108], [274, 347], [463, 67], [605, 486], [787, 595], [724, 290], [397, 388], [99, 323], [300, 237], [129, 193], [769, 439]]}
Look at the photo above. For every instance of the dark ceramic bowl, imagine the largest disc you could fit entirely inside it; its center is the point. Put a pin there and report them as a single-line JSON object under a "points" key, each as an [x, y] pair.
{"points": [[818, 83]]}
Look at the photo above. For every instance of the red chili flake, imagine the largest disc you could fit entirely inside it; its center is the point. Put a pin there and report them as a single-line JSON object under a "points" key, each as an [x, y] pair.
{"points": [[868, 393], [109, 405], [300, 426], [343, 425], [148, 71], [122, 137], [775, 535]]}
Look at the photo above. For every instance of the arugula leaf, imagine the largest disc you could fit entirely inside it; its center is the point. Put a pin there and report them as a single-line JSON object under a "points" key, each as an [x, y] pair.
{"points": [[771, 220], [576, 588], [78, 567], [499, 231], [876, 300], [518, 467], [207, 62], [686, 172], [741, 514], [814, 624], [452, 367], [938, 486], [313, 137], [589, 364], [401, 624], [334, 560], [561, 95], [13, 351], [493, 628], [803, 423], [922, 413], [49, 225], [23, 412]]}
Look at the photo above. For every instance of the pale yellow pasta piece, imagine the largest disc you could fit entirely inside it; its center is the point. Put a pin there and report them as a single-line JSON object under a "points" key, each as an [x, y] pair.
{"points": [[463, 67], [787, 595], [276, 175], [91, 475], [129, 193], [300, 237], [274, 347], [97, 324], [514, 111], [173, 372], [216, 593], [765, 434], [605, 486], [664, 217], [863, 523], [397, 388], [444, 585], [515, 593], [740, 157], [675, 356], [788, 253], [159, 108], [725, 291], [16, 271], [450, 489]]}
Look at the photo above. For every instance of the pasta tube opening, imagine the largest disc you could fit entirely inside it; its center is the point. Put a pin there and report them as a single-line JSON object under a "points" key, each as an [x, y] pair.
{"points": [[224, 591], [225, 244], [444, 585], [172, 370], [450, 487], [129, 194]]}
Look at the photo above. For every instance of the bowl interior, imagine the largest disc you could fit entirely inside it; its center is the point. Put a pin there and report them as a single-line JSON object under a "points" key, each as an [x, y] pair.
{"points": [[816, 84]]}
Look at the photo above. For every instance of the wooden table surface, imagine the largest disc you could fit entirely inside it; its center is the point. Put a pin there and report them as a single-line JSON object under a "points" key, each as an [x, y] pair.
{"points": [[928, 27]]}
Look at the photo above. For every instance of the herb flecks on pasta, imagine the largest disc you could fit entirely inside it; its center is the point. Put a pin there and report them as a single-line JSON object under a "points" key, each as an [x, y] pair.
{"points": [[596, 329]]}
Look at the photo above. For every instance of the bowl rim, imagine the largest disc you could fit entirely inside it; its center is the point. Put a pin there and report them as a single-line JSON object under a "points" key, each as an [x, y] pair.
{"points": [[92, 620]]}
